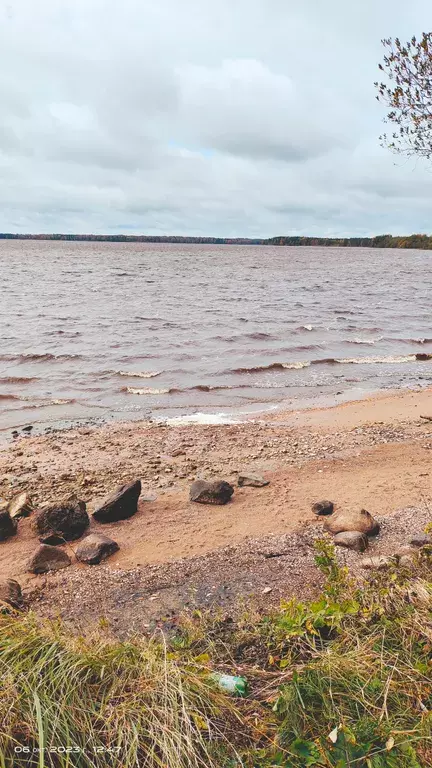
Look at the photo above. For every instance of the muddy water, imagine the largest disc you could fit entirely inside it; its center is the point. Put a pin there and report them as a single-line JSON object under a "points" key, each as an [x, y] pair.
{"points": [[113, 330]]}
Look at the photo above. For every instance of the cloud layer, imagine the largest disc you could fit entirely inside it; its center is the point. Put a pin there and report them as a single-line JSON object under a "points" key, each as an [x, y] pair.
{"points": [[245, 118]]}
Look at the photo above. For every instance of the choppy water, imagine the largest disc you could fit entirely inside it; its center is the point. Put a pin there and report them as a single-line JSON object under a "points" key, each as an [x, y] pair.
{"points": [[133, 330]]}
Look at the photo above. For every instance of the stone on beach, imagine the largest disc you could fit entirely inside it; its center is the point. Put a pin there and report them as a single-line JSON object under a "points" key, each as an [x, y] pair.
{"points": [[407, 556], [352, 540], [377, 562], [216, 492], [20, 505], [95, 548], [61, 522], [323, 508], [8, 527], [48, 558], [420, 540], [120, 505], [252, 480], [352, 521], [10, 593]]}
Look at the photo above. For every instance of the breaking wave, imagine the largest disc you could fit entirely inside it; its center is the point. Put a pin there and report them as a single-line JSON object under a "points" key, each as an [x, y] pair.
{"points": [[139, 374], [274, 367], [147, 391], [297, 365]]}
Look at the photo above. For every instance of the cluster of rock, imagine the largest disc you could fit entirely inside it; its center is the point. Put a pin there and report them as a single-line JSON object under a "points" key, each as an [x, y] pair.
{"points": [[219, 491], [58, 524], [353, 530]]}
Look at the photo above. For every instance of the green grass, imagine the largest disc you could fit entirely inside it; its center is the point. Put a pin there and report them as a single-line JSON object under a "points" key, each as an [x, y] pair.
{"points": [[342, 681]]}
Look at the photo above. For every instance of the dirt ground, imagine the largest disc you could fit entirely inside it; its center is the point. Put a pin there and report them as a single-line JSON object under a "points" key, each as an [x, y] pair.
{"points": [[373, 454]]}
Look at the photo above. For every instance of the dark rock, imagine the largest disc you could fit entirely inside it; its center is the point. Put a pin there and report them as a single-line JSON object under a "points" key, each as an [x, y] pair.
{"points": [[120, 505], [59, 523], [253, 481], [420, 540], [48, 558], [8, 527], [216, 492], [10, 593], [352, 521], [352, 540], [323, 508], [27, 429], [94, 548]]}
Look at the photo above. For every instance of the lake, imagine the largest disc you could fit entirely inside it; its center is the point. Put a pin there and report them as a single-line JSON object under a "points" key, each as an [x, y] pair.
{"points": [[119, 330]]}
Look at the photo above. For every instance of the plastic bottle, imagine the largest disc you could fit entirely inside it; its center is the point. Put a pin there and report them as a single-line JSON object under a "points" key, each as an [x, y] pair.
{"points": [[231, 683]]}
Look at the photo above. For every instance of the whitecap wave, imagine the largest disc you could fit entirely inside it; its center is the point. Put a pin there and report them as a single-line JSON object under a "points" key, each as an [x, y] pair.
{"points": [[147, 391], [140, 374], [297, 365]]}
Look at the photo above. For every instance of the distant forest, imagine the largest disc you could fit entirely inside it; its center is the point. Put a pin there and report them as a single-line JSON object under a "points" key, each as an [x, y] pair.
{"points": [[422, 242]]}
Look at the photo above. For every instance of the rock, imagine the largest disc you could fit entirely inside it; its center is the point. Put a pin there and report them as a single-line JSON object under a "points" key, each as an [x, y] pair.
{"points": [[10, 593], [8, 527], [216, 492], [120, 505], [59, 523], [407, 556], [251, 480], [407, 552], [20, 506], [420, 540], [48, 558], [407, 561], [377, 562], [94, 548], [323, 508], [352, 521], [352, 540]]}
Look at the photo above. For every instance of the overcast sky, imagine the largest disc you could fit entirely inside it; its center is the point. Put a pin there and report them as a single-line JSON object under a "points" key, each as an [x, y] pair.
{"points": [[203, 117]]}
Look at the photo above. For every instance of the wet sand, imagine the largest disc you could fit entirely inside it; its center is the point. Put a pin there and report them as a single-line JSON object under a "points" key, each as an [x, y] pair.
{"points": [[373, 454]]}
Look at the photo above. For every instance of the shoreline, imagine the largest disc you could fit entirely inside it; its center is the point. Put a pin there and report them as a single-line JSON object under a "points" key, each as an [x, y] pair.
{"points": [[81, 416], [373, 453]]}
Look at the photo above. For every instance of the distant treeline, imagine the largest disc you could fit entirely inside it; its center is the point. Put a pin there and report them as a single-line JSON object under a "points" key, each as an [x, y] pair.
{"points": [[422, 242]]}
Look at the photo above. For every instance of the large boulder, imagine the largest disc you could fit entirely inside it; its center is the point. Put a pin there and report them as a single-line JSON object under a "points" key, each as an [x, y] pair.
{"points": [[94, 548], [120, 505], [10, 593], [61, 522], [8, 527], [323, 508], [216, 492], [352, 521], [352, 540], [251, 480], [48, 558]]}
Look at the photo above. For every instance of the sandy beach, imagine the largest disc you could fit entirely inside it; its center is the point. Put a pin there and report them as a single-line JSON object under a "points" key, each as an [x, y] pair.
{"points": [[373, 454]]}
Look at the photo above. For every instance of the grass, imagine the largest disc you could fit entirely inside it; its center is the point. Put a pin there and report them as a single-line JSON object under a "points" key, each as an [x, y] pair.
{"points": [[342, 681]]}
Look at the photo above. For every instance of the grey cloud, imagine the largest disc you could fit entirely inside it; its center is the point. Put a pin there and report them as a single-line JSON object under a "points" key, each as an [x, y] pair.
{"points": [[254, 117]]}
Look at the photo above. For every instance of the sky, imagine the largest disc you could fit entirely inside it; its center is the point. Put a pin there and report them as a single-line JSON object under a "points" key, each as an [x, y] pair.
{"points": [[235, 118]]}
